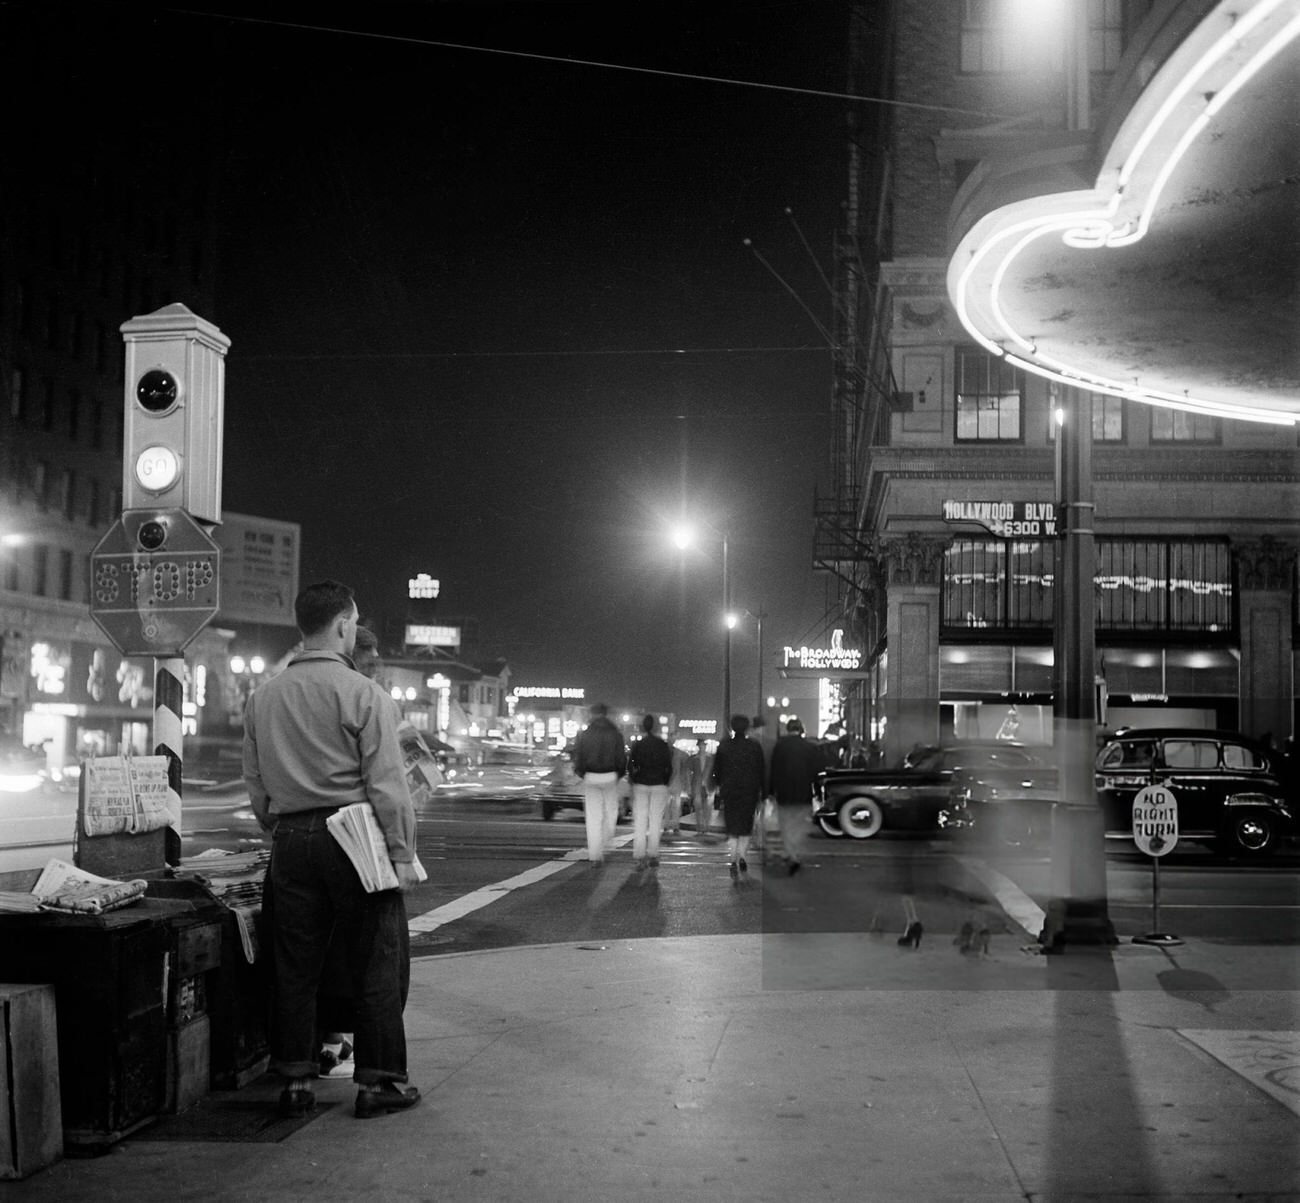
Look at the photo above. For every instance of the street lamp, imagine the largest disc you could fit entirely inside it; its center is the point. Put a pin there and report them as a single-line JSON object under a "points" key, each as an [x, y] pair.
{"points": [[684, 537], [733, 620]]}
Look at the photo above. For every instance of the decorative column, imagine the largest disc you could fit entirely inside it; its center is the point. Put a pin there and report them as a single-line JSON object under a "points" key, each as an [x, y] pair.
{"points": [[914, 570], [1266, 578]]}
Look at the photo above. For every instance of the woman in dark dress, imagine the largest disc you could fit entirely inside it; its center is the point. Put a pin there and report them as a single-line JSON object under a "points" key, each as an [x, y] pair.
{"points": [[738, 775]]}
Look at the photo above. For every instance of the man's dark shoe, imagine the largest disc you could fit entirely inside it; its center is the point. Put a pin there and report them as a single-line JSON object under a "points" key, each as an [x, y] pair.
{"points": [[744, 866], [294, 1104], [388, 1098], [794, 867]]}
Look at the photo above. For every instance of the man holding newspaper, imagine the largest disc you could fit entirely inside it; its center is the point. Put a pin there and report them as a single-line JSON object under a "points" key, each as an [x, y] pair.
{"points": [[317, 738]]}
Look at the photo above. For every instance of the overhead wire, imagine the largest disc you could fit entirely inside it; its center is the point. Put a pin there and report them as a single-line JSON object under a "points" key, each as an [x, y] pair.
{"points": [[578, 62]]}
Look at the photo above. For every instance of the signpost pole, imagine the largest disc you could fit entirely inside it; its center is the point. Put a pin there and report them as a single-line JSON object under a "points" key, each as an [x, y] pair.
{"points": [[1155, 832]]}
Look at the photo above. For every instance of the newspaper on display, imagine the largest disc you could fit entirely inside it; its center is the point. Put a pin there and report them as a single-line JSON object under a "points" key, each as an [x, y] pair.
{"points": [[128, 794], [64, 887], [360, 836]]}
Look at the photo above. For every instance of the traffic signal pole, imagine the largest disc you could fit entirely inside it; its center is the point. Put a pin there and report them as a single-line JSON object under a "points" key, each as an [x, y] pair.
{"points": [[168, 707], [155, 576]]}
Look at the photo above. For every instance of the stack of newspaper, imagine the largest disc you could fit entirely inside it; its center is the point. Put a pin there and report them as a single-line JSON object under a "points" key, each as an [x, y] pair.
{"points": [[360, 836]]}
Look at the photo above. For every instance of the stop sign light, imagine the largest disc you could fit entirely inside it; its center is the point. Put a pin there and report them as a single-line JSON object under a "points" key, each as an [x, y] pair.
{"points": [[175, 390]]}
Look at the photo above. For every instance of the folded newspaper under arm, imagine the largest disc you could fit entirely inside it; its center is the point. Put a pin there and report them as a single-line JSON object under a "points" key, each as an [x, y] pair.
{"points": [[360, 836]]}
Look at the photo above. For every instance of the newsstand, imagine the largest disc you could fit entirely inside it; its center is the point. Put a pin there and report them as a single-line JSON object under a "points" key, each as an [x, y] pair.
{"points": [[114, 978]]}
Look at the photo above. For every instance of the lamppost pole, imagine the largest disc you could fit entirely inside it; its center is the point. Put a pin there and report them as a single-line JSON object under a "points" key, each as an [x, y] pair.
{"points": [[726, 655]]}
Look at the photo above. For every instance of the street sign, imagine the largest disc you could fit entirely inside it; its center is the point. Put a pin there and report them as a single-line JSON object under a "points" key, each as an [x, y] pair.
{"points": [[154, 582], [1155, 821]]}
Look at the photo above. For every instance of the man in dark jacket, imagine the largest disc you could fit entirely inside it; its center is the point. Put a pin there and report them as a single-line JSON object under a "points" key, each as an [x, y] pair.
{"points": [[650, 768], [795, 765], [600, 759], [738, 773]]}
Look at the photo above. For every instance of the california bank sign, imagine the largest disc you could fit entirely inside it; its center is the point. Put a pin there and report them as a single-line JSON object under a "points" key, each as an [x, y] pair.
{"points": [[837, 657]]}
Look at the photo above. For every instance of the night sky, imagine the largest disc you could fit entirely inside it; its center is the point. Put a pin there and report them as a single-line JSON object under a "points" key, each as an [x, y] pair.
{"points": [[493, 318]]}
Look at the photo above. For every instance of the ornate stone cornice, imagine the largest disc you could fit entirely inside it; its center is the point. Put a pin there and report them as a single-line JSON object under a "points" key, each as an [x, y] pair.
{"points": [[1266, 563], [913, 559]]}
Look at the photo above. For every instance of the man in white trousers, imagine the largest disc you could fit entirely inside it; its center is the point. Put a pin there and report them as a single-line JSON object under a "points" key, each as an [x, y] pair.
{"points": [[599, 759]]}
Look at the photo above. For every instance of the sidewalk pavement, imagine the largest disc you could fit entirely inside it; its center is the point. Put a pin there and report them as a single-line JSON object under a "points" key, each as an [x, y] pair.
{"points": [[837, 1067]]}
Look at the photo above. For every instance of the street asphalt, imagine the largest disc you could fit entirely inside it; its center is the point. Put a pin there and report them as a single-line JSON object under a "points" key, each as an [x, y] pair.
{"points": [[788, 1067]]}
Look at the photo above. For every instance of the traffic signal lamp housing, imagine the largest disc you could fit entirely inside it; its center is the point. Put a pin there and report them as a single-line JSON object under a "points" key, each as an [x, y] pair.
{"points": [[175, 400]]}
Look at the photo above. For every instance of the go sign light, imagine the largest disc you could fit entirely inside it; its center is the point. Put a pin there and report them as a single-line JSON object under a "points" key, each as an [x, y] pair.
{"points": [[154, 582], [174, 398]]}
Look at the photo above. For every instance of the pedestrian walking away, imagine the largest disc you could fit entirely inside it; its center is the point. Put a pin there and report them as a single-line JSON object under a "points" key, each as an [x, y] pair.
{"points": [[599, 759], [701, 767], [795, 765], [649, 768], [318, 737], [738, 775], [679, 788]]}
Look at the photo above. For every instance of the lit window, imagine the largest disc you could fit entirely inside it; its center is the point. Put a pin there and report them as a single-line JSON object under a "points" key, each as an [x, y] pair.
{"points": [[1105, 34], [1182, 426], [1107, 415], [990, 396], [989, 39]]}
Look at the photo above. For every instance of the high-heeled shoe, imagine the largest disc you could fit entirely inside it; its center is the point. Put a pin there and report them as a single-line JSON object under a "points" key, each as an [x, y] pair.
{"points": [[912, 937]]}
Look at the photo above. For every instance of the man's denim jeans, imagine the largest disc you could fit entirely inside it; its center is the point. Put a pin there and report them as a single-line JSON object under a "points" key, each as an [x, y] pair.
{"points": [[313, 887]]}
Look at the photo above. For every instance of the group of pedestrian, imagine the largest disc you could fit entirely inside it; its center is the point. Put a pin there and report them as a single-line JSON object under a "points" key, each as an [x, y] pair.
{"points": [[320, 736], [741, 773]]}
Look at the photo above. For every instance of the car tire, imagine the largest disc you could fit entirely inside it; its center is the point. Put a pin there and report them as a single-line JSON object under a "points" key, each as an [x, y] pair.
{"points": [[861, 817], [1251, 833], [830, 827]]}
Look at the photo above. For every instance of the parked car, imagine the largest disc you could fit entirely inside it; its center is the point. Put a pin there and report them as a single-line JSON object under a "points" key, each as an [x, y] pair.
{"points": [[1231, 790], [861, 803]]}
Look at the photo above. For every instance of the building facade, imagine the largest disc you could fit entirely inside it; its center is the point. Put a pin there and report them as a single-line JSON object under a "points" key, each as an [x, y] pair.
{"points": [[943, 523], [99, 226]]}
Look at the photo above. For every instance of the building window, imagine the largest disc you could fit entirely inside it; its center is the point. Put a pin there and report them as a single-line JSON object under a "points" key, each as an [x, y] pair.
{"points": [[990, 397], [11, 569], [40, 569], [74, 414], [1107, 416], [47, 417], [1182, 426], [1172, 588], [1153, 585], [65, 575], [40, 481], [68, 492], [990, 41], [1105, 34], [96, 503], [997, 583], [18, 395]]}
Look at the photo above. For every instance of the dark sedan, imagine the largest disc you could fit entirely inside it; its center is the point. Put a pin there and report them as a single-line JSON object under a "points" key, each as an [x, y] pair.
{"points": [[861, 803], [1231, 791]]}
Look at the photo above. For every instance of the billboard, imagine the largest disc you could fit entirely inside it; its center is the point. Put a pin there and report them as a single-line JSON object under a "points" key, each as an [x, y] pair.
{"points": [[259, 569]]}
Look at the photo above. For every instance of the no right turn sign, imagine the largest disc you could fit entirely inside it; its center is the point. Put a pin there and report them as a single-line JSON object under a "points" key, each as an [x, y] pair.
{"points": [[1155, 820]]}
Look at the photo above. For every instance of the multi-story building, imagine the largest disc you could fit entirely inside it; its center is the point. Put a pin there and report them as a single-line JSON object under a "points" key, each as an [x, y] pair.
{"points": [[99, 221], [1059, 207]]}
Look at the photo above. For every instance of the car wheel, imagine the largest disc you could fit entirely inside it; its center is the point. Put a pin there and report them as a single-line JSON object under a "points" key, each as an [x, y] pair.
{"points": [[861, 818], [1251, 834], [830, 827]]}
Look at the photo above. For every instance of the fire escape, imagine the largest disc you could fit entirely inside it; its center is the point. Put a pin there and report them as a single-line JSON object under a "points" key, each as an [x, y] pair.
{"points": [[862, 383]]}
